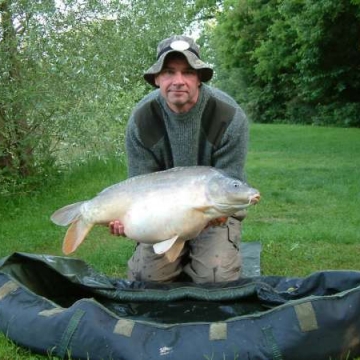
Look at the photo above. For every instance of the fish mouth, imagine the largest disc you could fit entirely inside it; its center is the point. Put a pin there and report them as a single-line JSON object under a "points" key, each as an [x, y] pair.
{"points": [[254, 199]]}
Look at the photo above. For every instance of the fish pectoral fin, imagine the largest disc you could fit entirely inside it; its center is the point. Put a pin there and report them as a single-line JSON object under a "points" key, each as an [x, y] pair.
{"points": [[75, 235], [203, 208], [171, 248], [164, 246], [173, 253]]}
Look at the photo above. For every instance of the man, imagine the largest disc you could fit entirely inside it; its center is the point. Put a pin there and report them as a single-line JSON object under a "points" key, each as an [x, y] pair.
{"points": [[185, 123]]}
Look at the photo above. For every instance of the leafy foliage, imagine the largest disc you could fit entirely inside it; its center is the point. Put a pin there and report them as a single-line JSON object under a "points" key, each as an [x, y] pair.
{"points": [[71, 72], [291, 60]]}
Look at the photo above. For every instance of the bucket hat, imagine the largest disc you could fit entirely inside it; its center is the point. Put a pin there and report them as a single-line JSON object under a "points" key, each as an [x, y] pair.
{"points": [[184, 45]]}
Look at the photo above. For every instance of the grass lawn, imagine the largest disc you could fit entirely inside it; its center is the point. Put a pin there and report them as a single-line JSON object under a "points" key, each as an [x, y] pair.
{"points": [[307, 220]]}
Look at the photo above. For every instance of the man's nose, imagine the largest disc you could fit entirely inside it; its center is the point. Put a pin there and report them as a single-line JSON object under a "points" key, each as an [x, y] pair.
{"points": [[178, 78]]}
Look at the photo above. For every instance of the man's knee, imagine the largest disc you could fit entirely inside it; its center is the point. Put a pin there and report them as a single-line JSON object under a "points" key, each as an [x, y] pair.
{"points": [[216, 273], [220, 266], [215, 255], [145, 265]]}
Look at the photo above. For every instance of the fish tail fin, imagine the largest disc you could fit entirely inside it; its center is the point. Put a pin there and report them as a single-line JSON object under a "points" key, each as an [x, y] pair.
{"points": [[67, 214], [75, 235]]}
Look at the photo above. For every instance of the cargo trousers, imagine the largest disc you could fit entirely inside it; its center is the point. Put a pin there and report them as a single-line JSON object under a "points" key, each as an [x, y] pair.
{"points": [[213, 256]]}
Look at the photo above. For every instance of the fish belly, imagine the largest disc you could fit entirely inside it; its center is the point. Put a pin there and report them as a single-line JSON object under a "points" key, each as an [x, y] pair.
{"points": [[153, 219]]}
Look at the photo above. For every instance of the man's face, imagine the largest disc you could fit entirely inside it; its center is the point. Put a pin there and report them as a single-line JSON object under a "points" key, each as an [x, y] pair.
{"points": [[179, 84]]}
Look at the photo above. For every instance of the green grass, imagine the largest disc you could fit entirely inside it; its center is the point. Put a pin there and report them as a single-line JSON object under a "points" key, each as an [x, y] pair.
{"points": [[307, 220], [26, 224]]}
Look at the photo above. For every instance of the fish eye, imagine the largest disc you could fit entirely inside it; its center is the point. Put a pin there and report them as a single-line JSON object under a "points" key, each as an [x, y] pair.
{"points": [[236, 184]]}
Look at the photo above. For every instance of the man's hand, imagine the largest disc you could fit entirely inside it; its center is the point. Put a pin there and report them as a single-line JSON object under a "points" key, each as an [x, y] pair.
{"points": [[116, 228], [217, 222]]}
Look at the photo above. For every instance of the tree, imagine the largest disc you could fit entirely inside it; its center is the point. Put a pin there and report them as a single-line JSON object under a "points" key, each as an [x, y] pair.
{"points": [[71, 72], [294, 60], [18, 93]]}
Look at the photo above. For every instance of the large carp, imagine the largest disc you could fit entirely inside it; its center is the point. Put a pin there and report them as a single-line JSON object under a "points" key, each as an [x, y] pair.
{"points": [[164, 208]]}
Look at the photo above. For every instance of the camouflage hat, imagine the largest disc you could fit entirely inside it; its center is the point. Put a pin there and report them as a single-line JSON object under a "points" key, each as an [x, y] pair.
{"points": [[184, 45]]}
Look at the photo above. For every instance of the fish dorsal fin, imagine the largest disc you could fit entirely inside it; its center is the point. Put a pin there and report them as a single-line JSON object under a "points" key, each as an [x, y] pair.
{"points": [[163, 246]]}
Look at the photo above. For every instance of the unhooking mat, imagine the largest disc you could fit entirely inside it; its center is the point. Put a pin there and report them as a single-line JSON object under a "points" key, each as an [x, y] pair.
{"points": [[63, 307]]}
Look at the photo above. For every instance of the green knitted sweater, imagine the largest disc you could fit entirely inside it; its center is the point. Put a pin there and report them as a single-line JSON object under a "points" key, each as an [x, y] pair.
{"points": [[213, 133]]}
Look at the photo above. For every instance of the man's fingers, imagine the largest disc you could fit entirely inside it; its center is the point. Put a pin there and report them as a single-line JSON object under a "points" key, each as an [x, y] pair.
{"points": [[217, 222], [116, 228]]}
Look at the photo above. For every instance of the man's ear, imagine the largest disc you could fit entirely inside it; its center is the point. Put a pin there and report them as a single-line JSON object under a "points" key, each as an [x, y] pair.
{"points": [[156, 81]]}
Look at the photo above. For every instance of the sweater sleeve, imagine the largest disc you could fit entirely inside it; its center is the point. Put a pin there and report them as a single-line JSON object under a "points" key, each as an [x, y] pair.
{"points": [[230, 155]]}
